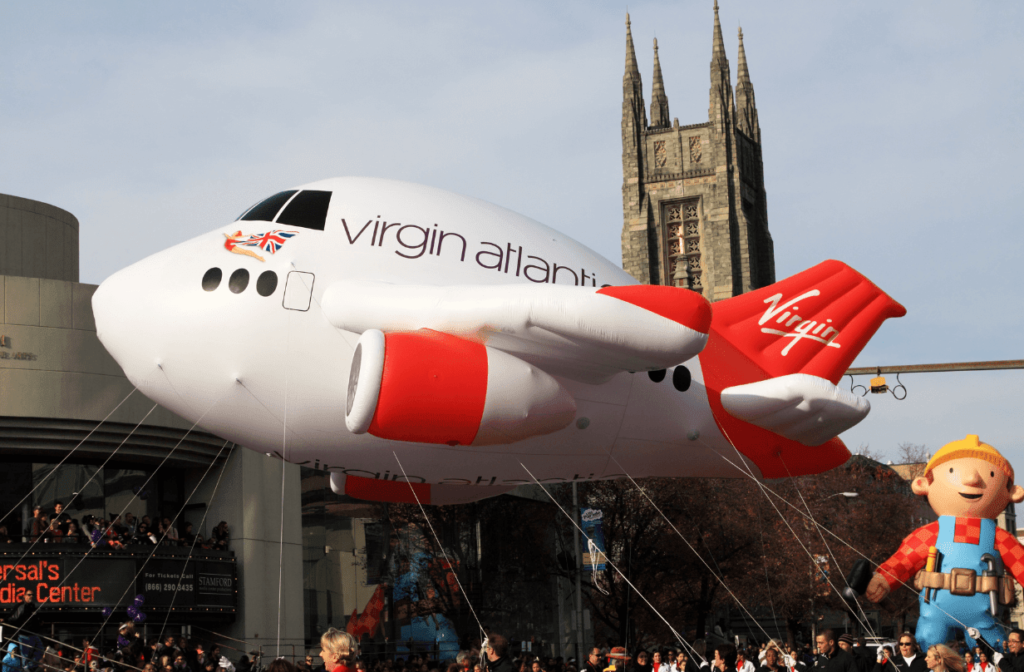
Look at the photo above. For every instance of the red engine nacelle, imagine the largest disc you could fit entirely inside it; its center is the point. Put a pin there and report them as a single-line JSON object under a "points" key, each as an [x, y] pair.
{"points": [[431, 387]]}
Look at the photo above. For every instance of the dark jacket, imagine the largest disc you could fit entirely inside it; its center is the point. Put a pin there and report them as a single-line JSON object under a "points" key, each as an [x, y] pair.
{"points": [[502, 664], [837, 661], [1012, 662]]}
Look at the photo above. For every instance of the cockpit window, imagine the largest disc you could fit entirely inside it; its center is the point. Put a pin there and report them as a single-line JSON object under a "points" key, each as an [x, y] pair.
{"points": [[264, 211], [307, 210]]}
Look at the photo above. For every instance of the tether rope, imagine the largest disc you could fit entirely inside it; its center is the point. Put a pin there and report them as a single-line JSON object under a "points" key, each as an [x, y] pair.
{"points": [[483, 632], [674, 632]]}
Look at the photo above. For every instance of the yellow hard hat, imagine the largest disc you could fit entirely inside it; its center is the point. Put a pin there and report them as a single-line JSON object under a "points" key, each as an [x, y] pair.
{"points": [[970, 447]]}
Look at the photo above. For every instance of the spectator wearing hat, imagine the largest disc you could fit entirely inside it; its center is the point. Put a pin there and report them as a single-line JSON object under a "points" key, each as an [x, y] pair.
{"points": [[831, 658], [846, 644], [617, 659]]}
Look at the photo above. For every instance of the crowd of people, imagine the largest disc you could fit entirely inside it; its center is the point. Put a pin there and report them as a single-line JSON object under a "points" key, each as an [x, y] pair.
{"points": [[339, 652], [57, 526]]}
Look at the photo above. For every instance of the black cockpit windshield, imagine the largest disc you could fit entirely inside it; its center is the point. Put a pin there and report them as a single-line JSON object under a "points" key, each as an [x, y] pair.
{"points": [[306, 209]]}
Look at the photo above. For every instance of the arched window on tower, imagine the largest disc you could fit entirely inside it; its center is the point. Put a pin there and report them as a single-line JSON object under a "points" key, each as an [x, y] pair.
{"points": [[682, 228]]}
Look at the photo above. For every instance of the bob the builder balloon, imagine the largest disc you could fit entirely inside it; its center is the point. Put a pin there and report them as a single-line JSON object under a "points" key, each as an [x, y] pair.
{"points": [[960, 563]]}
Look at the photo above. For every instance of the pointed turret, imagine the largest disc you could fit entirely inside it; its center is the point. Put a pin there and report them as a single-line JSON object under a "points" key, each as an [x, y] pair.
{"points": [[746, 110], [631, 79], [720, 111], [659, 101], [634, 125]]}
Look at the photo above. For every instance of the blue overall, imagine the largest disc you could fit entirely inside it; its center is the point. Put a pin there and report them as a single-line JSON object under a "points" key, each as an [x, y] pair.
{"points": [[947, 613]]}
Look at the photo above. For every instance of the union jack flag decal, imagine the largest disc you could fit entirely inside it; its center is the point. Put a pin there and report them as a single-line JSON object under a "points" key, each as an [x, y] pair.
{"points": [[271, 241]]}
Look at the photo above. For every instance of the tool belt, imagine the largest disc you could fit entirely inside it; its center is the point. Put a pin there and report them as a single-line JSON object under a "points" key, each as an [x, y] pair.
{"points": [[966, 582]]}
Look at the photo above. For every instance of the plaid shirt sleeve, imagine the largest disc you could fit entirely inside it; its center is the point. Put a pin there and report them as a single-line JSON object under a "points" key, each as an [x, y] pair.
{"points": [[1012, 553], [912, 555]]}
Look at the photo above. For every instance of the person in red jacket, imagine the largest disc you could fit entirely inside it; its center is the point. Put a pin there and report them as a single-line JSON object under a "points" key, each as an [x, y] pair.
{"points": [[339, 650]]}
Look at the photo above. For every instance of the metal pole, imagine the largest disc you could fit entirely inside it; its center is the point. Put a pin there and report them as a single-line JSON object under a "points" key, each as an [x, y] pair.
{"points": [[579, 583], [1001, 365]]}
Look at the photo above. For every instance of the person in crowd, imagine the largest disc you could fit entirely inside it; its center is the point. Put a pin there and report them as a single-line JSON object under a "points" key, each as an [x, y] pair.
{"points": [[656, 662], [307, 664], [846, 643], [593, 662], [830, 657], [496, 654], [180, 664], [968, 661], [338, 650], [245, 666], [171, 531], [74, 534], [909, 658], [36, 525], [642, 663], [1013, 660], [61, 517], [983, 664], [724, 659], [220, 537], [188, 537], [130, 523], [772, 660], [282, 665], [742, 664], [618, 659], [941, 658]]}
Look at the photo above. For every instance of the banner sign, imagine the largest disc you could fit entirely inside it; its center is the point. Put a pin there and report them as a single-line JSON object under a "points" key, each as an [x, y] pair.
{"points": [[63, 582], [75, 581], [593, 541]]}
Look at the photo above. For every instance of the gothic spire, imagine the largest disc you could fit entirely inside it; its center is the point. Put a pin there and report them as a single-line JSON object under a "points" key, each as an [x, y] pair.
{"points": [[632, 71], [720, 111], [659, 101], [746, 110], [632, 86]]}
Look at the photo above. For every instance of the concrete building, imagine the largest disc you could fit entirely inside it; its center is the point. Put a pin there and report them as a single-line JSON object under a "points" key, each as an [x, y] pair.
{"points": [[694, 208]]}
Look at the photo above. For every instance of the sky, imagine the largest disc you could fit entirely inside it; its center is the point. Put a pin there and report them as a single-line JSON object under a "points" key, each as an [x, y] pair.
{"points": [[892, 140]]}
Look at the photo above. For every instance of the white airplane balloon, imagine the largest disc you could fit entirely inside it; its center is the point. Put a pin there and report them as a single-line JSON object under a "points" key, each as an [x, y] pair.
{"points": [[396, 334]]}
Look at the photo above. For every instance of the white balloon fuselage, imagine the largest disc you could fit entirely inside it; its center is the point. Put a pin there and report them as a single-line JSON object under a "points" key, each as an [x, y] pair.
{"points": [[230, 330]]}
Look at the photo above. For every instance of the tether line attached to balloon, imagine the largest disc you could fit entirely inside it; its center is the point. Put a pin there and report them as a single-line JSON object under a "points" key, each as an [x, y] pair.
{"points": [[192, 549], [75, 496], [674, 632], [810, 555], [483, 633], [284, 463], [166, 531], [66, 457], [766, 489], [828, 548], [99, 470], [63, 645], [690, 546], [764, 562]]}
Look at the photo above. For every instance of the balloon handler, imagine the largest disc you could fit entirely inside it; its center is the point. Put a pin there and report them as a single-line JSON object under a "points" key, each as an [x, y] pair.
{"points": [[959, 563]]}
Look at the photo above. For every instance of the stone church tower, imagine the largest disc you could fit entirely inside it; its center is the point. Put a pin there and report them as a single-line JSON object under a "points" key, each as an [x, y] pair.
{"points": [[693, 201]]}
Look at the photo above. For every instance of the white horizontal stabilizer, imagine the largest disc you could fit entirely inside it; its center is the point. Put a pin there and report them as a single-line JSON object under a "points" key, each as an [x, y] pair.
{"points": [[807, 409]]}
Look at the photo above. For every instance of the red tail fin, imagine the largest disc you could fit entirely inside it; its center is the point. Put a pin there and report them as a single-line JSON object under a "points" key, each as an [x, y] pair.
{"points": [[813, 322]]}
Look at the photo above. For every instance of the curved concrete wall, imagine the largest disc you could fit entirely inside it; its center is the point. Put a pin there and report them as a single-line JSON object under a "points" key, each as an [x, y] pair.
{"points": [[37, 240]]}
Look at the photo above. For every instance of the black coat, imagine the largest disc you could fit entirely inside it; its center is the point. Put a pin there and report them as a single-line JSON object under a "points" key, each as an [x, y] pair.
{"points": [[837, 661], [1012, 662]]}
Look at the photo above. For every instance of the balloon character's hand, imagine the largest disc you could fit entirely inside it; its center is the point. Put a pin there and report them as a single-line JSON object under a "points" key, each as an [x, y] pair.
{"points": [[877, 589]]}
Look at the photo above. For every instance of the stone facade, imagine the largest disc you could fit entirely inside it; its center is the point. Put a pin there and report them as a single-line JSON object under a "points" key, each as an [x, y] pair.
{"points": [[693, 200]]}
